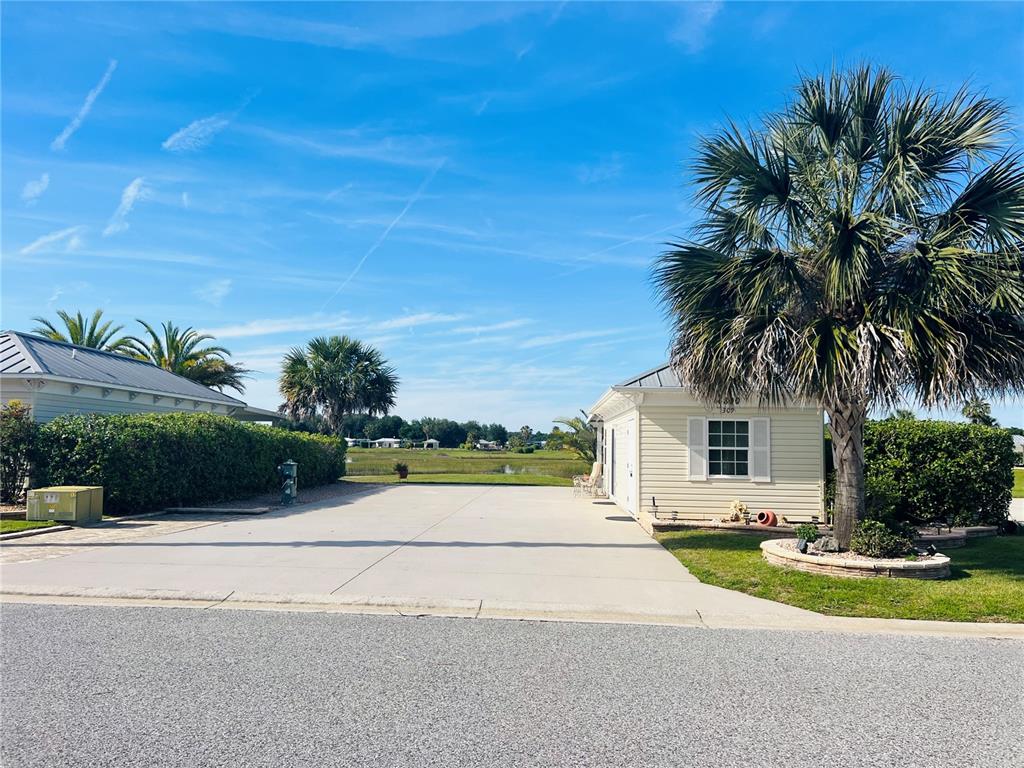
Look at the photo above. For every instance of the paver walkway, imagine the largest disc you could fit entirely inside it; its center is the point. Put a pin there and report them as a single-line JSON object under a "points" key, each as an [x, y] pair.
{"points": [[489, 547]]}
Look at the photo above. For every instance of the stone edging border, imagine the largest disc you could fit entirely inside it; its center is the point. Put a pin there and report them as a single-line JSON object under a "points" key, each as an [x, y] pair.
{"points": [[936, 567]]}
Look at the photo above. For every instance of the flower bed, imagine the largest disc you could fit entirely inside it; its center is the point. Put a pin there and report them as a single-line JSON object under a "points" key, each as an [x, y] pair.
{"points": [[784, 552]]}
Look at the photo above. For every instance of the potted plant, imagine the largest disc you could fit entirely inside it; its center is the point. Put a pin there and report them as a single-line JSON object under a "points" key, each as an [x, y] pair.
{"points": [[805, 534], [402, 470]]}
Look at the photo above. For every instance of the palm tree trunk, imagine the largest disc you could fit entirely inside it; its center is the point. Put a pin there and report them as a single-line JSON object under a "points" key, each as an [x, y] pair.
{"points": [[846, 423]]}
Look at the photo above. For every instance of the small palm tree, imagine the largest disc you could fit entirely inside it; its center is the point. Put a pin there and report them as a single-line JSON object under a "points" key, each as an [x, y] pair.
{"points": [[977, 411], [862, 246], [581, 436], [180, 351], [85, 332], [333, 377]]}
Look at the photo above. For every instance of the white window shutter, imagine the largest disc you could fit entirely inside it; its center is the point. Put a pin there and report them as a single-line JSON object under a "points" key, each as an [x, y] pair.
{"points": [[760, 450], [697, 441]]}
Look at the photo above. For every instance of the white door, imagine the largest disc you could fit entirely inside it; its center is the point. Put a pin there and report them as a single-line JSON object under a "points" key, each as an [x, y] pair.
{"points": [[623, 461]]}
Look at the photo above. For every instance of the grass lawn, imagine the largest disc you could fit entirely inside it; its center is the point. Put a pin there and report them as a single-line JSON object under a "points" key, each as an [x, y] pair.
{"points": [[462, 479], [377, 462], [1018, 482], [987, 582], [10, 526]]}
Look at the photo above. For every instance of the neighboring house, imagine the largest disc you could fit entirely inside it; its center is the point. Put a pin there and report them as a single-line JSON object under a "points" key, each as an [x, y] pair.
{"points": [[55, 378], [431, 443], [663, 451], [1018, 447], [488, 445], [387, 442]]}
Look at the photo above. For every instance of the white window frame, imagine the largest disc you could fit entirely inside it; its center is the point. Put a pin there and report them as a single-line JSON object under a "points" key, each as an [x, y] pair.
{"points": [[710, 448]]}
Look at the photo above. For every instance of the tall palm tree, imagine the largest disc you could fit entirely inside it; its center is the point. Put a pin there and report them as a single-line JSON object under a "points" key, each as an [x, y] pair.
{"points": [[978, 411], [862, 246], [85, 332], [581, 437], [336, 376], [181, 351]]}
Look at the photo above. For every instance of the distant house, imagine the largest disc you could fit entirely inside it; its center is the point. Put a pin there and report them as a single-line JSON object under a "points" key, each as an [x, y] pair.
{"points": [[431, 443], [488, 445], [1018, 446], [664, 452], [55, 378], [387, 442]]}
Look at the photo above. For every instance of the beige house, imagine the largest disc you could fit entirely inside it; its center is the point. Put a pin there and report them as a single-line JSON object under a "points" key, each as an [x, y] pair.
{"points": [[665, 453]]}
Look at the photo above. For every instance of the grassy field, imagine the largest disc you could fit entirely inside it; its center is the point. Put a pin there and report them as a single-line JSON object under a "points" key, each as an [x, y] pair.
{"points": [[1018, 482], [10, 526], [987, 582], [462, 466], [462, 479]]}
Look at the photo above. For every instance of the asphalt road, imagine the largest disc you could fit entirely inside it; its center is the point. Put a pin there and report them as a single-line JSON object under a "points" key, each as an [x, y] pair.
{"points": [[111, 686]]}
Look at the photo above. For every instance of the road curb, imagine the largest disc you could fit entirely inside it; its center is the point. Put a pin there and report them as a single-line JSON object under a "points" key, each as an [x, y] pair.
{"points": [[34, 532], [498, 610]]}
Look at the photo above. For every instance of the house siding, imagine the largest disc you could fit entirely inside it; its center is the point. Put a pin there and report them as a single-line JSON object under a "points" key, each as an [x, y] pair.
{"points": [[57, 399], [795, 490]]}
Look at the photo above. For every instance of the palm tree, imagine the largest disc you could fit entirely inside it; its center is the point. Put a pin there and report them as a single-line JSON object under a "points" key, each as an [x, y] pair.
{"points": [[903, 414], [977, 411], [180, 351], [862, 246], [336, 376], [85, 332], [581, 437]]}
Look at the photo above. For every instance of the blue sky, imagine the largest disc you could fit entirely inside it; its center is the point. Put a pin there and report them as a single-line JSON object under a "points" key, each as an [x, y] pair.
{"points": [[476, 189]]}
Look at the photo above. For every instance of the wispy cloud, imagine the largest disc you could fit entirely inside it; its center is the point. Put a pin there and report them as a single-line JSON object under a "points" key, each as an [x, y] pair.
{"points": [[200, 133], [507, 325], [607, 168], [359, 144], [265, 327], [411, 321], [61, 141], [387, 231], [197, 134], [131, 194], [691, 31], [562, 338], [68, 236], [214, 292], [34, 189]]}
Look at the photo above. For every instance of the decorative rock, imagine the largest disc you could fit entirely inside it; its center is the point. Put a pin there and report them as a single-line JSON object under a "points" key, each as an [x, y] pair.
{"points": [[827, 544]]}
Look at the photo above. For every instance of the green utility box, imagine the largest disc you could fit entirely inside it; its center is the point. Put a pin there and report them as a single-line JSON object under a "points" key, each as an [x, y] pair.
{"points": [[79, 504]]}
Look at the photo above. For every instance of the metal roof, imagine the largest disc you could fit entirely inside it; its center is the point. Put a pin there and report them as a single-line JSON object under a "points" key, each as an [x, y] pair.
{"points": [[29, 355], [662, 376]]}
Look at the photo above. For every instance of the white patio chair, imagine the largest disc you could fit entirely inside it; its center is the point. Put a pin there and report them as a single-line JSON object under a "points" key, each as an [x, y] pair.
{"points": [[588, 484]]}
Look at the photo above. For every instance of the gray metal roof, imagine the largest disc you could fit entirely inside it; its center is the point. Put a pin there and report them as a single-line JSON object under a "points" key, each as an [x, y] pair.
{"points": [[26, 354], [662, 376]]}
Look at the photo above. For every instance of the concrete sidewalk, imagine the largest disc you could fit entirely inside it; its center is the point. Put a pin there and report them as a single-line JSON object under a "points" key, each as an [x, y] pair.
{"points": [[412, 545], [467, 551]]}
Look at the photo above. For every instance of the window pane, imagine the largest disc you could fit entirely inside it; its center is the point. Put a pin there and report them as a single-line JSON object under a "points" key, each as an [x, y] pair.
{"points": [[714, 427], [742, 440], [714, 467], [742, 427], [729, 440], [741, 468]]}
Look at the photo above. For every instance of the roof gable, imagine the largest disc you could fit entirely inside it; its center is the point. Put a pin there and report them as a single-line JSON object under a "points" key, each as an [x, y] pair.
{"points": [[27, 354], [662, 376]]}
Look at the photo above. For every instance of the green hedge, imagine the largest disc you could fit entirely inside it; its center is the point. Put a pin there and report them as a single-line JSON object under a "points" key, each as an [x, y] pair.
{"points": [[919, 471], [151, 461]]}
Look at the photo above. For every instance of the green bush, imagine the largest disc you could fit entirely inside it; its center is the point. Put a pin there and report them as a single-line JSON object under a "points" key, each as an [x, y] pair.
{"points": [[150, 461], [807, 532], [19, 436], [920, 471], [872, 538]]}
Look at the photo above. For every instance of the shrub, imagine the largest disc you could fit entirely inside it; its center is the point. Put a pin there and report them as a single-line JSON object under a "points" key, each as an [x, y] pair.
{"points": [[919, 471], [873, 539], [807, 532], [400, 467], [150, 461], [19, 436]]}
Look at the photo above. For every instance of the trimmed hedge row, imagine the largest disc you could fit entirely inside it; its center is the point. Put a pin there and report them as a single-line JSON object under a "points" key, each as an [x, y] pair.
{"points": [[151, 461], [919, 471]]}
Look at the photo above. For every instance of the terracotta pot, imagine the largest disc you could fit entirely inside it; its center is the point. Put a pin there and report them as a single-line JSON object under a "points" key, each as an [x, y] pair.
{"points": [[767, 517]]}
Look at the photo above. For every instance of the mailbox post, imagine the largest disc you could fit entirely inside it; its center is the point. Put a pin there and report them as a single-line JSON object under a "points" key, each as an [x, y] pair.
{"points": [[289, 472]]}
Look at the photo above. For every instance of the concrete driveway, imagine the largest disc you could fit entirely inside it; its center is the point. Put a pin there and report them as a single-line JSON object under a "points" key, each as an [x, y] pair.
{"points": [[476, 549]]}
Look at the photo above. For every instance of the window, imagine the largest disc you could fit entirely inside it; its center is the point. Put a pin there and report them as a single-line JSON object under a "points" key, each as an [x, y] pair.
{"points": [[728, 448]]}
